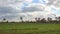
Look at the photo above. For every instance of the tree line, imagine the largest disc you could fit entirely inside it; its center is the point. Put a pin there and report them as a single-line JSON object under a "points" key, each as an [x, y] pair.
{"points": [[38, 20]]}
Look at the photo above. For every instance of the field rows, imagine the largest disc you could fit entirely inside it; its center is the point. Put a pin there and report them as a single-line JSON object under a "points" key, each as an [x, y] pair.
{"points": [[29, 28]]}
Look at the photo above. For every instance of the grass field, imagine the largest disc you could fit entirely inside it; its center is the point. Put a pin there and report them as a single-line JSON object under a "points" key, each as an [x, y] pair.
{"points": [[11, 28]]}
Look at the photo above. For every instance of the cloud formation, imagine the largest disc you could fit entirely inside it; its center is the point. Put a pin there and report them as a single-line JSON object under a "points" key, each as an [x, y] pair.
{"points": [[13, 9]]}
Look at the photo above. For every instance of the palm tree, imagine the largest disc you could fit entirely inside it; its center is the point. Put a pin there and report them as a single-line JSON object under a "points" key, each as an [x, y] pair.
{"points": [[21, 19], [4, 19], [36, 19]]}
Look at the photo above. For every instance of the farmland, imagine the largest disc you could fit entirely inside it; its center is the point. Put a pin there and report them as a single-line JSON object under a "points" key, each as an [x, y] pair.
{"points": [[29, 28]]}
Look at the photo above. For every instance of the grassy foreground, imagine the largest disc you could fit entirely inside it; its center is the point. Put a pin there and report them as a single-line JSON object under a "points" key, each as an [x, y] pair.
{"points": [[11, 28]]}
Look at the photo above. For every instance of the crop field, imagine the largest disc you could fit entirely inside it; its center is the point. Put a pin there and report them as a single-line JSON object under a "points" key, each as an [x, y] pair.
{"points": [[31, 28]]}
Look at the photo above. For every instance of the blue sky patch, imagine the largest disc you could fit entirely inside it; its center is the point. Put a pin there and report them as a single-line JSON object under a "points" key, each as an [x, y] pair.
{"points": [[35, 1]]}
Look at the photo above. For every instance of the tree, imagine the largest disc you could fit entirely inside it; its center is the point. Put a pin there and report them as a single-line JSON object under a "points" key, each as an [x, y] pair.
{"points": [[59, 18], [36, 19], [21, 19], [56, 18], [4, 19], [49, 19], [43, 20]]}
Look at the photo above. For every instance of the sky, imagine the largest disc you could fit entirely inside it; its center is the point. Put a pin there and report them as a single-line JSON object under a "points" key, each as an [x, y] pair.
{"points": [[29, 9]]}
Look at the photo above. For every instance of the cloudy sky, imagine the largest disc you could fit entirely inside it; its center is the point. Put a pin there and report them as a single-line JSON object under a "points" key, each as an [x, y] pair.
{"points": [[28, 9]]}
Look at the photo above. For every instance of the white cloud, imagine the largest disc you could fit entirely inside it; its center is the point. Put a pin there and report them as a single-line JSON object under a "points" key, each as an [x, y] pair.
{"points": [[28, 1], [38, 9], [16, 6]]}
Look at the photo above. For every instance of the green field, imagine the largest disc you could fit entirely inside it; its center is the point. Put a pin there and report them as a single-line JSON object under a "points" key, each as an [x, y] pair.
{"points": [[31, 28]]}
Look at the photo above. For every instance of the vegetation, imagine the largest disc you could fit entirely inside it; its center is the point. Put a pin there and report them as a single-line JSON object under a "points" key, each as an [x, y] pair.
{"points": [[39, 26], [30, 28]]}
